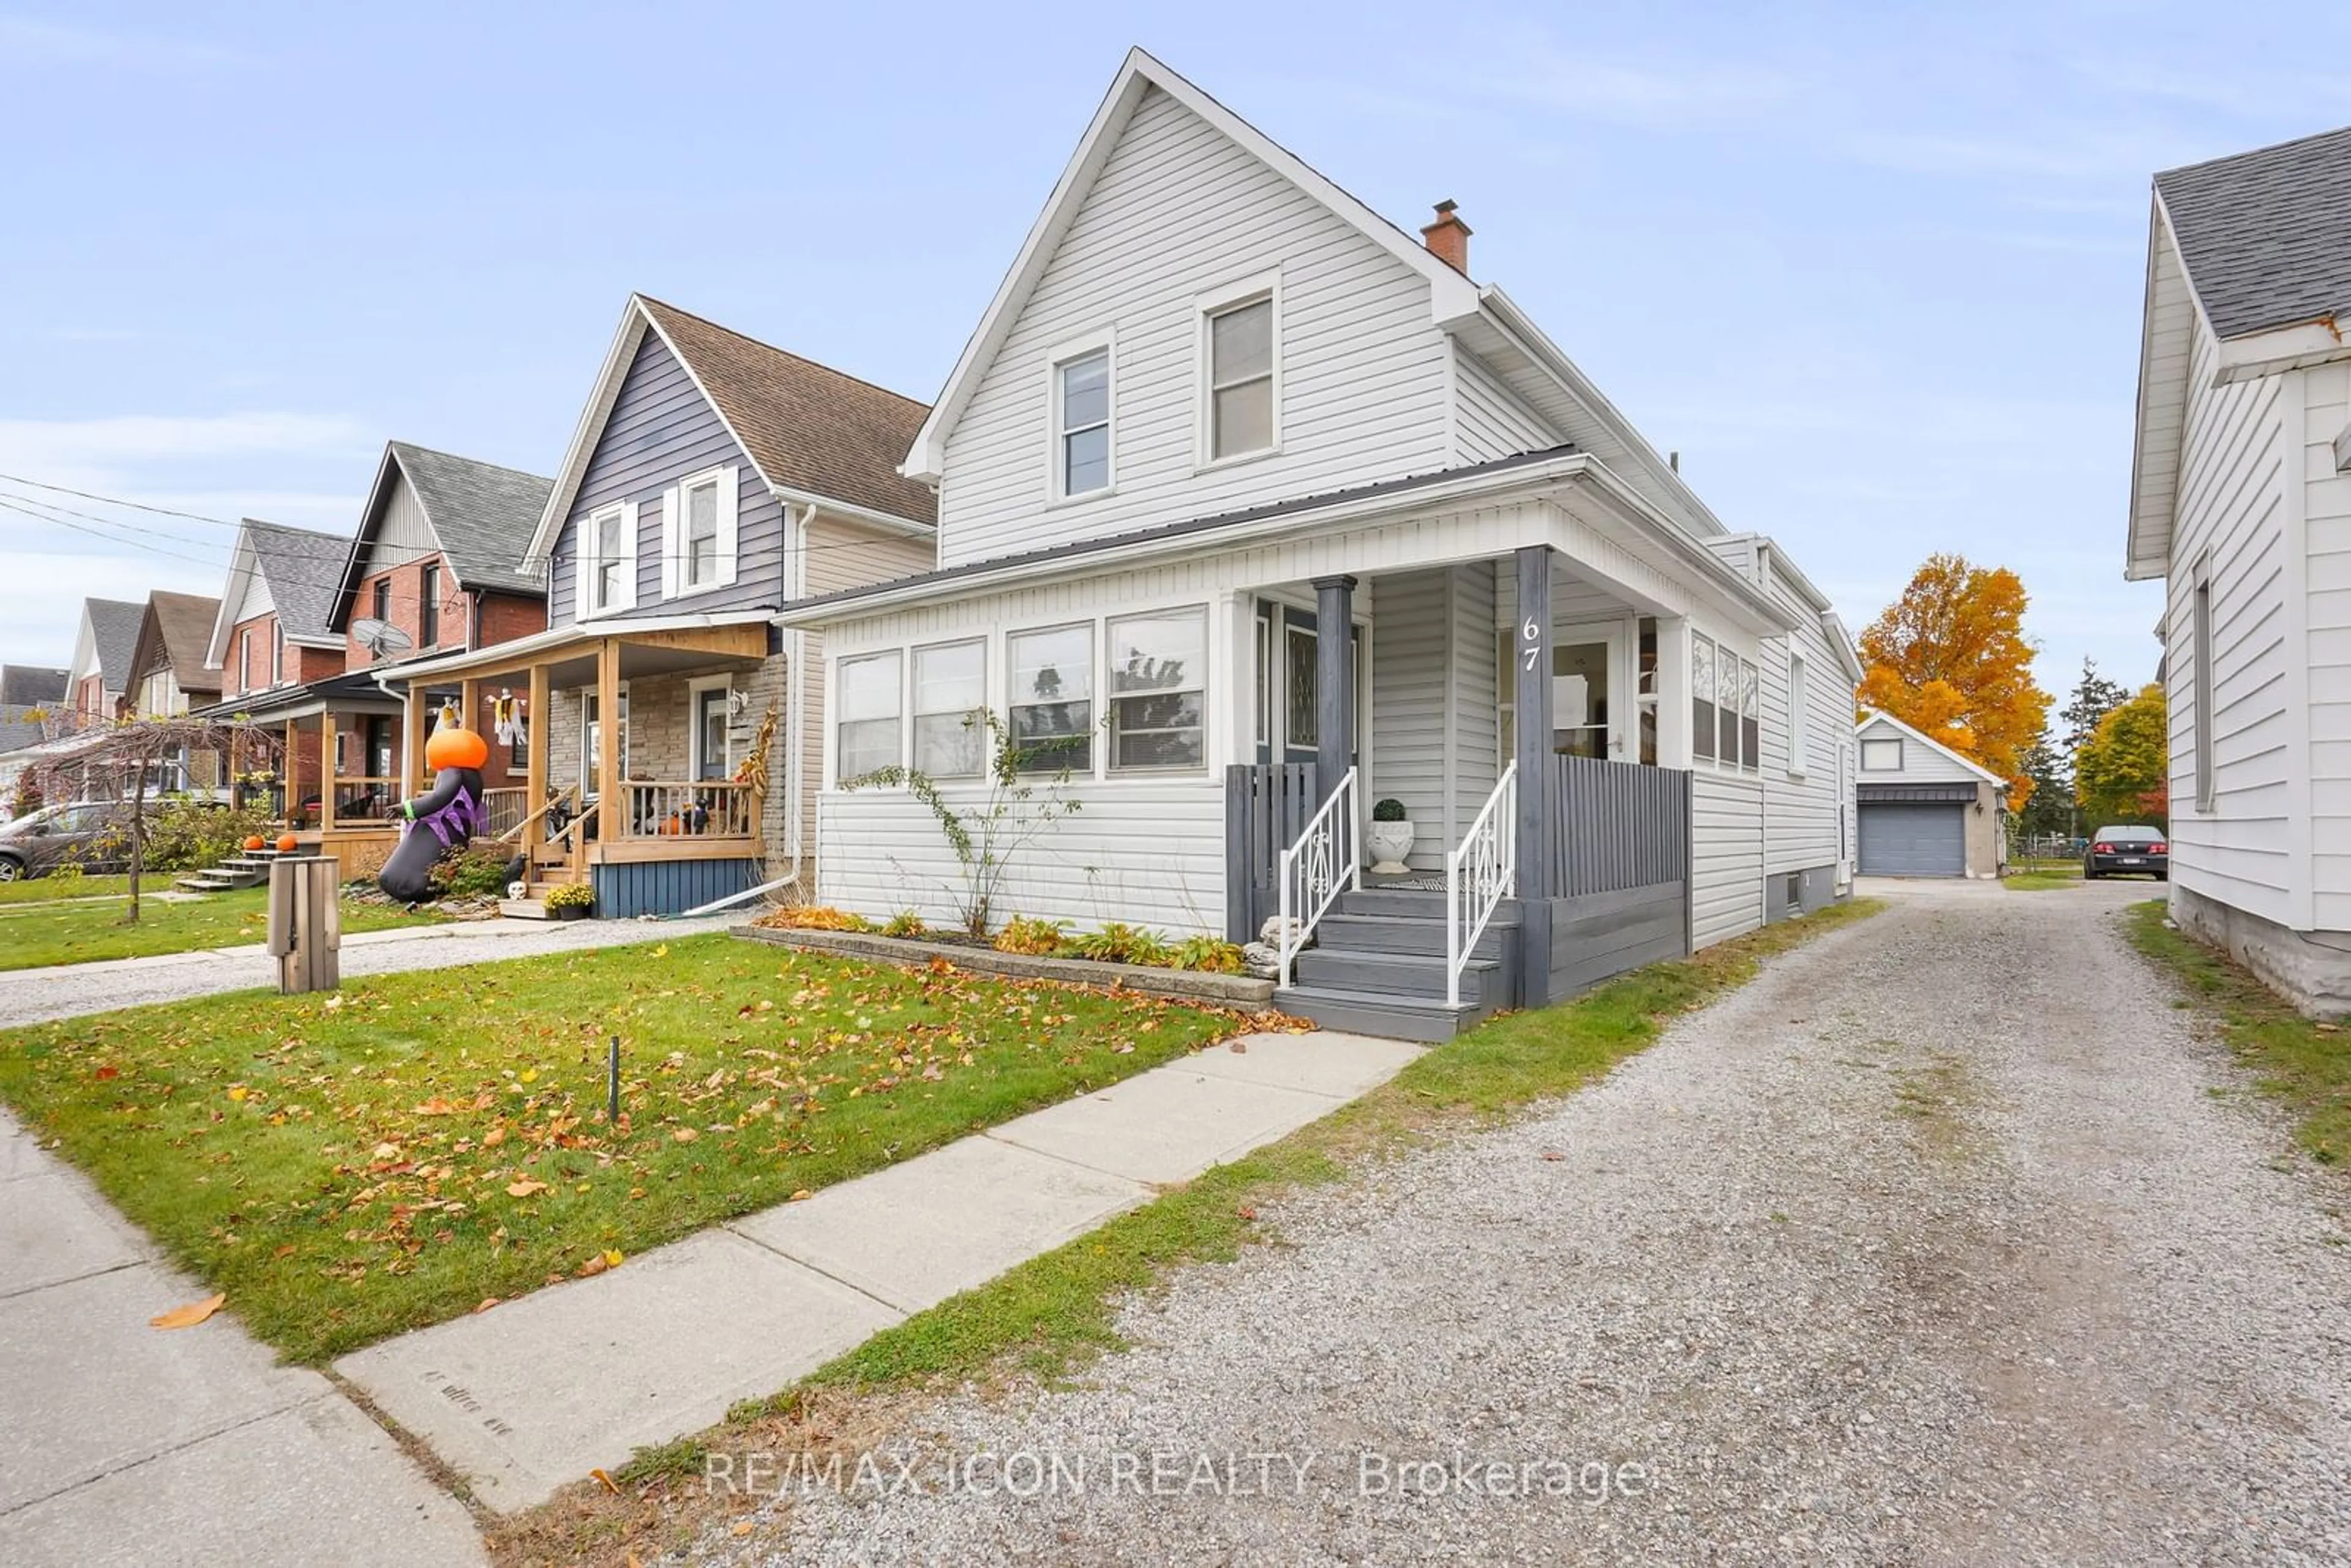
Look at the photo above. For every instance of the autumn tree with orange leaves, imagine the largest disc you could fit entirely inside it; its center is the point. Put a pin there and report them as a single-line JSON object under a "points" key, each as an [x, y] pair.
{"points": [[1949, 659]]}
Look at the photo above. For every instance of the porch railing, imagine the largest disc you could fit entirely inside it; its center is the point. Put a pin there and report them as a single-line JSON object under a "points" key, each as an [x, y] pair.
{"points": [[504, 807], [1326, 861], [1479, 874], [1617, 825], [714, 808], [364, 799], [1267, 805]]}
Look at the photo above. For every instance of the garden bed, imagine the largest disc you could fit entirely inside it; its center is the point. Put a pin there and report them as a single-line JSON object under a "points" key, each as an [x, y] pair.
{"points": [[1194, 985]]}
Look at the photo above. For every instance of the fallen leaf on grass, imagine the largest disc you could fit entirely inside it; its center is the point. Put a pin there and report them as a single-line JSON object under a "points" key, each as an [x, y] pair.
{"points": [[525, 1188], [1246, 1212], [486, 1303], [801, 1196], [745, 1527], [104, 1073], [685, 1135], [598, 1262], [610, 1485], [189, 1316]]}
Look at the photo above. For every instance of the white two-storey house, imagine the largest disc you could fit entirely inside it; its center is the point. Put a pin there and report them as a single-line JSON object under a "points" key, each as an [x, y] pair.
{"points": [[1255, 512]]}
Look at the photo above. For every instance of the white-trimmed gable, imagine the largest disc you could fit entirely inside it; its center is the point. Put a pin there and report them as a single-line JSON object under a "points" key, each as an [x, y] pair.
{"points": [[1924, 760]]}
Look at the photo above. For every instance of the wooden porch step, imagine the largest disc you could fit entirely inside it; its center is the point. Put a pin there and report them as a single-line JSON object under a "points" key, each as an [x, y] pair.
{"points": [[1380, 1013], [1418, 977], [523, 909], [1410, 932]]}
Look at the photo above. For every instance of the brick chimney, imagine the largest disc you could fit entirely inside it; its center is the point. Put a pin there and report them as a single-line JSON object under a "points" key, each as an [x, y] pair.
{"points": [[1447, 239]]}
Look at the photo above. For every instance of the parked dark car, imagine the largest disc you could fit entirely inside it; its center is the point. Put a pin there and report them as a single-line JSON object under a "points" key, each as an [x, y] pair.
{"points": [[92, 834], [2128, 852]]}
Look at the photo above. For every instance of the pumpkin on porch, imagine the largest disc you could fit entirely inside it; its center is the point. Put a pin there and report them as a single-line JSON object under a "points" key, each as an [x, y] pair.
{"points": [[253, 840], [287, 843]]}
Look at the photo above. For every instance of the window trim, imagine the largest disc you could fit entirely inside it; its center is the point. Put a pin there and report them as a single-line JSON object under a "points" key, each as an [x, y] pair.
{"points": [[1705, 733], [1206, 308], [1800, 740], [1104, 344], [1110, 699], [726, 478], [835, 706], [428, 605], [586, 605], [589, 778], [916, 713], [1861, 758]]}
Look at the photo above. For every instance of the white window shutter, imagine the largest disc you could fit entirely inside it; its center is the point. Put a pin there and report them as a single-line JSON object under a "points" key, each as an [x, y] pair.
{"points": [[627, 597], [730, 487], [673, 536]]}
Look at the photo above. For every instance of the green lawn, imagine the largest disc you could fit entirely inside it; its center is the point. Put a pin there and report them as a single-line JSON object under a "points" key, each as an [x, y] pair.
{"points": [[2301, 1061], [38, 932], [47, 889], [350, 1166]]}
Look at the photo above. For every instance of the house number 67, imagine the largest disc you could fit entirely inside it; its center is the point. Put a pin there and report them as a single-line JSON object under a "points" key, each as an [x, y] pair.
{"points": [[1531, 635]]}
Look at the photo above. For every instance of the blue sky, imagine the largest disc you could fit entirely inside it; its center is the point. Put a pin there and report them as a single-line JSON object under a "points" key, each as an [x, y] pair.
{"points": [[1874, 269]]}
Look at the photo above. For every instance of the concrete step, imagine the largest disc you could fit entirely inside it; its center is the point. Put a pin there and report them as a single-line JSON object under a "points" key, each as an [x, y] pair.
{"points": [[1377, 1013], [1419, 976], [523, 909], [1405, 934]]}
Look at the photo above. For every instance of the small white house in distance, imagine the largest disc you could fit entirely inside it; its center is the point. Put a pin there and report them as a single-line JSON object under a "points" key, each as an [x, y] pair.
{"points": [[2241, 500], [1923, 808], [1259, 512]]}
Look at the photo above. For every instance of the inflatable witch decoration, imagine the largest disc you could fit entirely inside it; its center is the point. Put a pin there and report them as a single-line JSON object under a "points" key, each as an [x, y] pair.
{"points": [[450, 813]]}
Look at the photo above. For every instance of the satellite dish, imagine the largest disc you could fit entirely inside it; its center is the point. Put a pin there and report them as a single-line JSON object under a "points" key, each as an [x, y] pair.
{"points": [[381, 639]]}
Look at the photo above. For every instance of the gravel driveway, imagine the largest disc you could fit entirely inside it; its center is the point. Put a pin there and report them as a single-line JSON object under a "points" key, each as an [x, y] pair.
{"points": [[1945, 1242]]}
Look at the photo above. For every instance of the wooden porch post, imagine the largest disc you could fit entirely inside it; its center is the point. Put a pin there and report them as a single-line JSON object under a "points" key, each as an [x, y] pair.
{"points": [[412, 743], [1531, 668], [469, 703], [1334, 683], [326, 771], [612, 811], [292, 773], [535, 716]]}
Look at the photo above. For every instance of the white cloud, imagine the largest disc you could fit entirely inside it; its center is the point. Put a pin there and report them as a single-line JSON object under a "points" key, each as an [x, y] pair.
{"points": [[29, 45], [40, 597], [140, 439]]}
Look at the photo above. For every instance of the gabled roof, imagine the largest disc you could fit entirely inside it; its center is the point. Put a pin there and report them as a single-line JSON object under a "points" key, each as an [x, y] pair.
{"points": [[298, 566], [18, 729], [813, 433], [1483, 318], [111, 625], [481, 516], [2266, 235], [177, 631], [1870, 717], [30, 685]]}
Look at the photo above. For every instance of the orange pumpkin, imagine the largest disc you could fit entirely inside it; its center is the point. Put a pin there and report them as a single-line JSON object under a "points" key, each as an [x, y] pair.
{"points": [[287, 843], [455, 748], [253, 842]]}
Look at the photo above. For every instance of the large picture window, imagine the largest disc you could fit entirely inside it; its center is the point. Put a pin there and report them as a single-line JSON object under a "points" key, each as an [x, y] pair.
{"points": [[1702, 726], [1081, 403], [866, 714], [950, 691], [1050, 692], [1158, 681]]}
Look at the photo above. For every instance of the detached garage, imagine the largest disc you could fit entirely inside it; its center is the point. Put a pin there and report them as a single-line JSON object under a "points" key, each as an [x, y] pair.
{"points": [[1922, 809]]}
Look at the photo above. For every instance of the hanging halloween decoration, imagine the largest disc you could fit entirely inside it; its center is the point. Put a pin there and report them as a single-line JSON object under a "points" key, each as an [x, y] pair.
{"points": [[507, 720]]}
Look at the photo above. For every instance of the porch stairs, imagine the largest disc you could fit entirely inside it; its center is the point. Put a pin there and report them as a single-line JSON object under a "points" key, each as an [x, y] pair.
{"points": [[532, 905], [246, 868], [1377, 967]]}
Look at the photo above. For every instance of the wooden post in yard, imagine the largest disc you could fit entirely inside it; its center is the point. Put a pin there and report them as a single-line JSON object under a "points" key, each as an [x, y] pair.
{"points": [[535, 717], [412, 743], [326, 767], [291, 806]]}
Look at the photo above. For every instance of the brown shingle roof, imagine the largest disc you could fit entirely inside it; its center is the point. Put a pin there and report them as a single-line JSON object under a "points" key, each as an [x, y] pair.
{"points": [[178, 630], [808, 427]]}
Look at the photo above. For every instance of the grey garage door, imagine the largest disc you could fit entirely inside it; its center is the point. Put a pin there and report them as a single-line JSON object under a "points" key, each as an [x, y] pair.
{"points": [[1907, 839]]}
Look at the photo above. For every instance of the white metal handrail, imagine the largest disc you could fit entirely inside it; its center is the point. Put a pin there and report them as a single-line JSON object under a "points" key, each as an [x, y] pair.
{"points": [[1326, 861], [1478, 876]]}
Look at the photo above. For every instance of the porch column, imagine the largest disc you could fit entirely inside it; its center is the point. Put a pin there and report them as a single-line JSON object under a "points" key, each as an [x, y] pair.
{"points": [[1531, 666], [1532, 670], [326, 770], [411, 743], [1334, 683], [535, 721], [292, 774], [612, 811], [1673, 692]]}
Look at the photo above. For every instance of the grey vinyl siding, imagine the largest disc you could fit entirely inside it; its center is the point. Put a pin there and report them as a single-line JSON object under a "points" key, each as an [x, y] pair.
{"points": [[1489, 421], [1476, 740], [661, 429], [1921, 764], [1180, 209], [1411, 658]]}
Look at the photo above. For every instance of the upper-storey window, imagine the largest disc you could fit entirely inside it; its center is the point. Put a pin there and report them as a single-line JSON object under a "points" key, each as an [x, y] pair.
{"points": [[428, 606], [698, 534], [383, 610], [1240, 393], [608, 559], [1881, 755], [1081, 462]]}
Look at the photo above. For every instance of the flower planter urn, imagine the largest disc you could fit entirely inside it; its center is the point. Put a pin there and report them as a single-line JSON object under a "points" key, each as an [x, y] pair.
{"points": [[1389, 843]]}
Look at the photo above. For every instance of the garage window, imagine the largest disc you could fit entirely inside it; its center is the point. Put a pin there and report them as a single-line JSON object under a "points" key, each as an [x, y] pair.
{"points": [[1881, 755]]}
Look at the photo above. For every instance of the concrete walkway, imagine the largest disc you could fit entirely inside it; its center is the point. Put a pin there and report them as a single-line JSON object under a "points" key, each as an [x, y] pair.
{"points": [[70, 990], [537, 1393], [121, 1443]]}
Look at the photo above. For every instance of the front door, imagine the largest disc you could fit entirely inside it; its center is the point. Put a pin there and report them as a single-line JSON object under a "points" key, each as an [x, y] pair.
{"points": [[710, 724], [1289, 722], [1593, 691]]}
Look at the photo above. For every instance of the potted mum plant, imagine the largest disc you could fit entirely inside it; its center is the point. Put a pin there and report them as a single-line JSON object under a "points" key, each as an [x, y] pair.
{"points": [[1389, 838], [570, 901]]}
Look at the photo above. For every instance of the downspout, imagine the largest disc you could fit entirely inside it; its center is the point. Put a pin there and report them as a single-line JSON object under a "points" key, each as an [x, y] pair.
{"points": [[796, 540]]}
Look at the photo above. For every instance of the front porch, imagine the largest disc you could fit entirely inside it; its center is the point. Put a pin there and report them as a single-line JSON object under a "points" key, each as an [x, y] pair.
{"points": [[663, 809]]}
